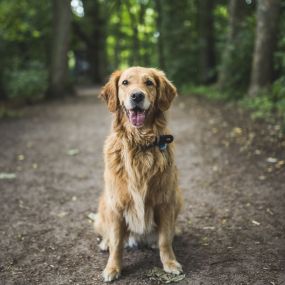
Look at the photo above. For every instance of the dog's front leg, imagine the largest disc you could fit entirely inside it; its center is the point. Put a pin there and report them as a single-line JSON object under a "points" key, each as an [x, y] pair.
{"points": [[116, 239], [166, 228]]}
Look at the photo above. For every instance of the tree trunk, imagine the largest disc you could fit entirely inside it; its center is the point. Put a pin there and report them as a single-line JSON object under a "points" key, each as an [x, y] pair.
{"points": [[97, 50], [118, 36], [206, 42], [237, 14], [92, 33], [265, 44], [160, 47], [60, 44], [2, 93]]}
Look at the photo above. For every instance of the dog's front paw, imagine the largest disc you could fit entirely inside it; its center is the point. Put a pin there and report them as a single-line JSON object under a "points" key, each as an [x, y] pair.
{"points": [[111, 273], [172, 266]]}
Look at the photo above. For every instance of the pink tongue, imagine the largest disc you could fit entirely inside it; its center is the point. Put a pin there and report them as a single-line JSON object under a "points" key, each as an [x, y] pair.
{"points": [[137, 118]]}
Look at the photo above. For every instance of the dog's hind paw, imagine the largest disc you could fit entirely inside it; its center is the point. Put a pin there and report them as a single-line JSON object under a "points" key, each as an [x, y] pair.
{"points": [[103, 245], [172, 266], [111, 274]]}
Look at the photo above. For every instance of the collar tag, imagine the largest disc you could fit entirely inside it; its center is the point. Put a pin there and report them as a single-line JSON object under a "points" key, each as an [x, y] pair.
{"points": [[163, 146], [163, 141]]}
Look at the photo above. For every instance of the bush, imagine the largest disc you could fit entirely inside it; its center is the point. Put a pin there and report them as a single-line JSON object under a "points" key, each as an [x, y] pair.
{"points": [[209, 92], [28, 84], [260, 106], [278, 90]]}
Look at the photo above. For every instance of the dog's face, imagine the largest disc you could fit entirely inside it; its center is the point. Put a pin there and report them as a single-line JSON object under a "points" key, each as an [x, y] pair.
{"points": [[139, 92]]}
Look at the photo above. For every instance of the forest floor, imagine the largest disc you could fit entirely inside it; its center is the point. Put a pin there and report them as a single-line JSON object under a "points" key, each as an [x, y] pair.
{"points": [[232, 174]]}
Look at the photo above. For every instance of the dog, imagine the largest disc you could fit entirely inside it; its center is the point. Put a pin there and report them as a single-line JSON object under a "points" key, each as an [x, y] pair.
{"points": [[141, 199]]}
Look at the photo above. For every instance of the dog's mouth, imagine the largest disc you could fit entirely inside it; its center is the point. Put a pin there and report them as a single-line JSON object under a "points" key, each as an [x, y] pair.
{"points": [[136, 116]]}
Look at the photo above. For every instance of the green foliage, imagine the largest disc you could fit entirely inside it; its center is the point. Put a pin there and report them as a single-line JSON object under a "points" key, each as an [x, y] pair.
{"points": [[210, 92], [24, 39], [28, 84], [260, 106], [270, 101], [131, 36], [180, 39], [278, 91], [8, 113], [135, 32], [238, 59]]}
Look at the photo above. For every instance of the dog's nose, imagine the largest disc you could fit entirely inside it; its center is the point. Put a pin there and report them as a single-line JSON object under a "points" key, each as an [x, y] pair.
{"points": [[137, 97]]}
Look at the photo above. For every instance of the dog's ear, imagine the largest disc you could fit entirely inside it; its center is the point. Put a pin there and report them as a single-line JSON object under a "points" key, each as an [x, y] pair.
{"points": [[109, 92], [166, 90]]}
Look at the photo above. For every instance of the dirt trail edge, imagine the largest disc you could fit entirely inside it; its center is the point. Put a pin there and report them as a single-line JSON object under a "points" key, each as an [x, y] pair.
{"points": [[233, 225]]}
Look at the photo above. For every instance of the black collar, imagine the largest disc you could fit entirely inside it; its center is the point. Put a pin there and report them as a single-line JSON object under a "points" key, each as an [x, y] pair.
{"points": [[162, 142]]}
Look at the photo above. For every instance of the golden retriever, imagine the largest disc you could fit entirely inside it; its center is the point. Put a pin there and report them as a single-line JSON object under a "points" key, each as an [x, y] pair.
{"points": [[141, 199]]}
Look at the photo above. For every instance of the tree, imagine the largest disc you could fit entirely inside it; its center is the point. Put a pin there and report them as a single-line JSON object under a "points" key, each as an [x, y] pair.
{"points": [[160, 44], [91, 30], [265, 44], [60, 45], [237, 14], [206, 41], [179, 36]]}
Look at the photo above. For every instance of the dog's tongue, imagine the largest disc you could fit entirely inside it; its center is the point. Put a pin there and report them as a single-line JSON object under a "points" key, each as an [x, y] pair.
{"points": [[137, 118]]}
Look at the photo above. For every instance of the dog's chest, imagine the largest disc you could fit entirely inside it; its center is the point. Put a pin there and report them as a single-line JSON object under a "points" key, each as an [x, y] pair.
{"points": [[142, 169]]}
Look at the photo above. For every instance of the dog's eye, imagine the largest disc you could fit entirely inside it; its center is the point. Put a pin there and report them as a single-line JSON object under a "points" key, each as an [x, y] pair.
{"points": [[149, 83], [125, 82]]}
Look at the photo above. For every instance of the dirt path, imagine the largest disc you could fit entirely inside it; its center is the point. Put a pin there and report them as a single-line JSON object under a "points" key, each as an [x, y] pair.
{"points": [[233, 223]]}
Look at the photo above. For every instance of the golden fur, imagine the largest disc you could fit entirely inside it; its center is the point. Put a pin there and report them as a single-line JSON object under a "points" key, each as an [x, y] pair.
{"points": [[141, 196]]}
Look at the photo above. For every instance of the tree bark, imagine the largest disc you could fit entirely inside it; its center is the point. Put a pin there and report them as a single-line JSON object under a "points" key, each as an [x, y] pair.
{"points": [[265, 44], [237, 14], [60, 44], [160, 46], [117, 34], [96, 51], [92, 33], [206, 42]]}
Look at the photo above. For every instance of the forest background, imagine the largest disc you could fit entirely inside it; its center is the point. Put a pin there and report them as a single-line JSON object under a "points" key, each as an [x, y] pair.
{"points": [[224, 50]]}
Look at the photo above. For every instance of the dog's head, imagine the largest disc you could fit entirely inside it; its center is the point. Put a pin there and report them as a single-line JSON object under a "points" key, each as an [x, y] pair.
{"points": [[140, 92]]}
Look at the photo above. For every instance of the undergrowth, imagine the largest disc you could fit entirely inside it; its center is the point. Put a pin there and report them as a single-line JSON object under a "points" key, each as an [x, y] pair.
{"points": [[269, 105]]}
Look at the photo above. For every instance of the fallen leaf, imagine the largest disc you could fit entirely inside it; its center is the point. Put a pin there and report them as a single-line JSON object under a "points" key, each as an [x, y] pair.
{"points": [[4, 175], [92, 216], [255, 223], [157, 274], [208, 228], [271, 159], [35, 166], [262, 177], [236, 131], [225, 143], [73, 151], [21, 157], [280, 164], [269, 211], [62, 214]]}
